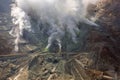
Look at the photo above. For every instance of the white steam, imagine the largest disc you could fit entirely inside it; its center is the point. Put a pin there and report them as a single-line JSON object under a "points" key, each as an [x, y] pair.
{"points": [[61, 15], [21, 21]]}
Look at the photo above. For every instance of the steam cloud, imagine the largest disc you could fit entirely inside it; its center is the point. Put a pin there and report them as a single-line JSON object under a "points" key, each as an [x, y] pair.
{"points": [[61, 15]]}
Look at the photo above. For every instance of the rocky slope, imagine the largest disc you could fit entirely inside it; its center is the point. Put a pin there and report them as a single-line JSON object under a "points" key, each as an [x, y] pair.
{"points": [[98, 61]]}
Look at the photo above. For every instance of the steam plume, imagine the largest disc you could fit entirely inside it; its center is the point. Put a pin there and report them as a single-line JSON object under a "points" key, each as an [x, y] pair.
{"points": [[61, 15]]}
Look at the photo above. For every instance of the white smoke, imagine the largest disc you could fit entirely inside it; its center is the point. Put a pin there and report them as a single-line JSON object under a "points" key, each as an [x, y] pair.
{"points": [[21, 21], [61, 15]]}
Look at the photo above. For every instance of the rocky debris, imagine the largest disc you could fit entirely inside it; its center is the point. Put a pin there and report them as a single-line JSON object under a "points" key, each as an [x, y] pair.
{"points": [[45, 66], [10, 65], [50, 66], [104, 44], [100, 62]]}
